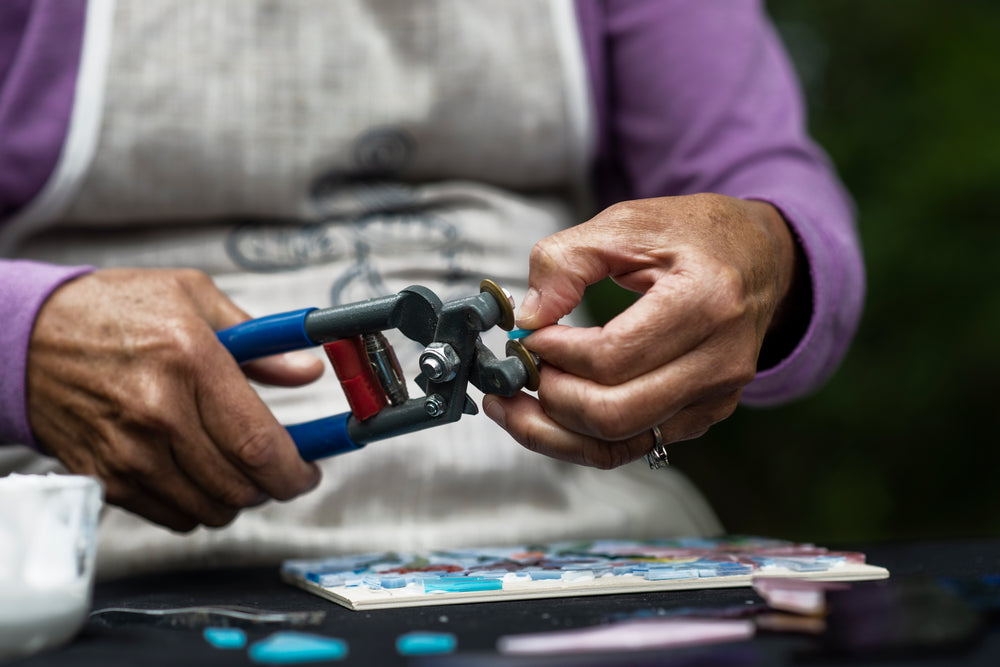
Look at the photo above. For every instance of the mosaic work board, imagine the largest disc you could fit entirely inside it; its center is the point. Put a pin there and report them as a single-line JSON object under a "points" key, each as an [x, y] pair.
{"points": [[565, 569]]}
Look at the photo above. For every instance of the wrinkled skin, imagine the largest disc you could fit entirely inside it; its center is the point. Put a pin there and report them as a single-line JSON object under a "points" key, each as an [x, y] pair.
{"points": [[712, 272], [127, 382]]}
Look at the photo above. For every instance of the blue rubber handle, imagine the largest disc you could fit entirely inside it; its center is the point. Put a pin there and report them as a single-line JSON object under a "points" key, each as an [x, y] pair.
{"points": [[285, 332], [323, 437], [273, 334]]}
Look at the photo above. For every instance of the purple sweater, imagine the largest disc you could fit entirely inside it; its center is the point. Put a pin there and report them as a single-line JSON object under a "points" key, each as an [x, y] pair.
{"points": [[690, 95]]}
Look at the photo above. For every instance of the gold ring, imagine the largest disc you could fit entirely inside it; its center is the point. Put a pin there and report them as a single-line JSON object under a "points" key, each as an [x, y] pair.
{"points": [[656, 457]]}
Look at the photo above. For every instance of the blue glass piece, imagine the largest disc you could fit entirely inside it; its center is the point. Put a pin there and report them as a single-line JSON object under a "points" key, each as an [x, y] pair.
{"points": [[289, 648], [696, 543], [831, 561], [663, 573], [545, 574], [461, 584], [393, 581], [329, 580], [491, 574], [426, 643], [225, 638], [802, 564], [519, 333]]}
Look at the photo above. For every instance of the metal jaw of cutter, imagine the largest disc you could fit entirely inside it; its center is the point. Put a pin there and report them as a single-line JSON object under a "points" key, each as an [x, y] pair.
{"points": [[454, 356]]}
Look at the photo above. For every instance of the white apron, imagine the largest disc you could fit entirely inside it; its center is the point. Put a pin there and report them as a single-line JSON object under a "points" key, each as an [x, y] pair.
{"points": [[313, 153]]}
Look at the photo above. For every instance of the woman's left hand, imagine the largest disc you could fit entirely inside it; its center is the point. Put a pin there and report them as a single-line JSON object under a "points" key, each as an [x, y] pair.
{"points": [[711, 271]]}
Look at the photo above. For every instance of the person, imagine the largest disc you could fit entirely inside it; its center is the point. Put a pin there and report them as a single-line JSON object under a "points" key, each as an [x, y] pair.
{"points": [[171, 167]]}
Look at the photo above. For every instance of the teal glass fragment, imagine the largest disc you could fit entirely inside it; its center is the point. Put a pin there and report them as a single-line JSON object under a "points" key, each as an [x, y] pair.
{"points": [[225, 638], [289, 648], [461, 584], [426, 643]]}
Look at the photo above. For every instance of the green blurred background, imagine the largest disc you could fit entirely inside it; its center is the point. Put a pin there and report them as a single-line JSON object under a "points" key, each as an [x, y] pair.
{"points": [[902, 442]]}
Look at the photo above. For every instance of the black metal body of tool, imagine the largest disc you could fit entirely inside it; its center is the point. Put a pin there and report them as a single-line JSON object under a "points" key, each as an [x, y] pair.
{"points": [[453, 356]]}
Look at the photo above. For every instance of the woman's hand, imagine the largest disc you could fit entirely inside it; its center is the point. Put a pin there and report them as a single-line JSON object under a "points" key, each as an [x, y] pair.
{"points": [[711, 271], [128, 382]]}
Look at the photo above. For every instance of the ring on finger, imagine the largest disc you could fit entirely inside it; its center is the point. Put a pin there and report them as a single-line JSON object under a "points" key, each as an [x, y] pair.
{"points": [[656, 457]]}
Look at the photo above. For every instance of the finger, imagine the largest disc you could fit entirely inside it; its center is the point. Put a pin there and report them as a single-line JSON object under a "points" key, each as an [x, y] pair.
{"points": [[152, 508], [155, 489], [613, 412], [695, 420], [291, 369], [525, 420], [675, 316], [240, 424], [126, 493], [648, 335], [147, 480], [560, 268], [210, 302], [234, 416], [174, 493], [606, 412], [215, 475]]}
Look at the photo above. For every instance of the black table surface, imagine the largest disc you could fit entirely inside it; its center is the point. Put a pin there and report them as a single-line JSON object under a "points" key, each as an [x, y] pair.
{"points": [[371, 635]]}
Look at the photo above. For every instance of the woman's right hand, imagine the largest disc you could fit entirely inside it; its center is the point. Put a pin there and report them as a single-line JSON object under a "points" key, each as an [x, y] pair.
{"points": [[127, 381]]}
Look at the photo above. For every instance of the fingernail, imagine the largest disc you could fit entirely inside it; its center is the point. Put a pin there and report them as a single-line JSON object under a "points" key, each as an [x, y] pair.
{"points": [[299, 360], [529, 307], [494, 411]]}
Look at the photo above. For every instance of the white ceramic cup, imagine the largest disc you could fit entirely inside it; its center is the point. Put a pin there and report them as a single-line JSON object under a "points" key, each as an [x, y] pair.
{"points": [[48, 545]]}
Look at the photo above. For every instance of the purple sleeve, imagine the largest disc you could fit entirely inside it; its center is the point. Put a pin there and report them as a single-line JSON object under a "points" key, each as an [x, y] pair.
{"points": [[699, 96], [40, 43], [24, 286]]}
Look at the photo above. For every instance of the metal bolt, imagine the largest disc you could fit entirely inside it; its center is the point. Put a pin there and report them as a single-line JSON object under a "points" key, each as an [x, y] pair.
{"points": [[438, 362], [435, 405]]}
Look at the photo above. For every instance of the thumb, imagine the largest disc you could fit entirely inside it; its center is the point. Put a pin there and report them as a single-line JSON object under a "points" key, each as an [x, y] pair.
{"points": [[560, 268], [286, 370]]}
